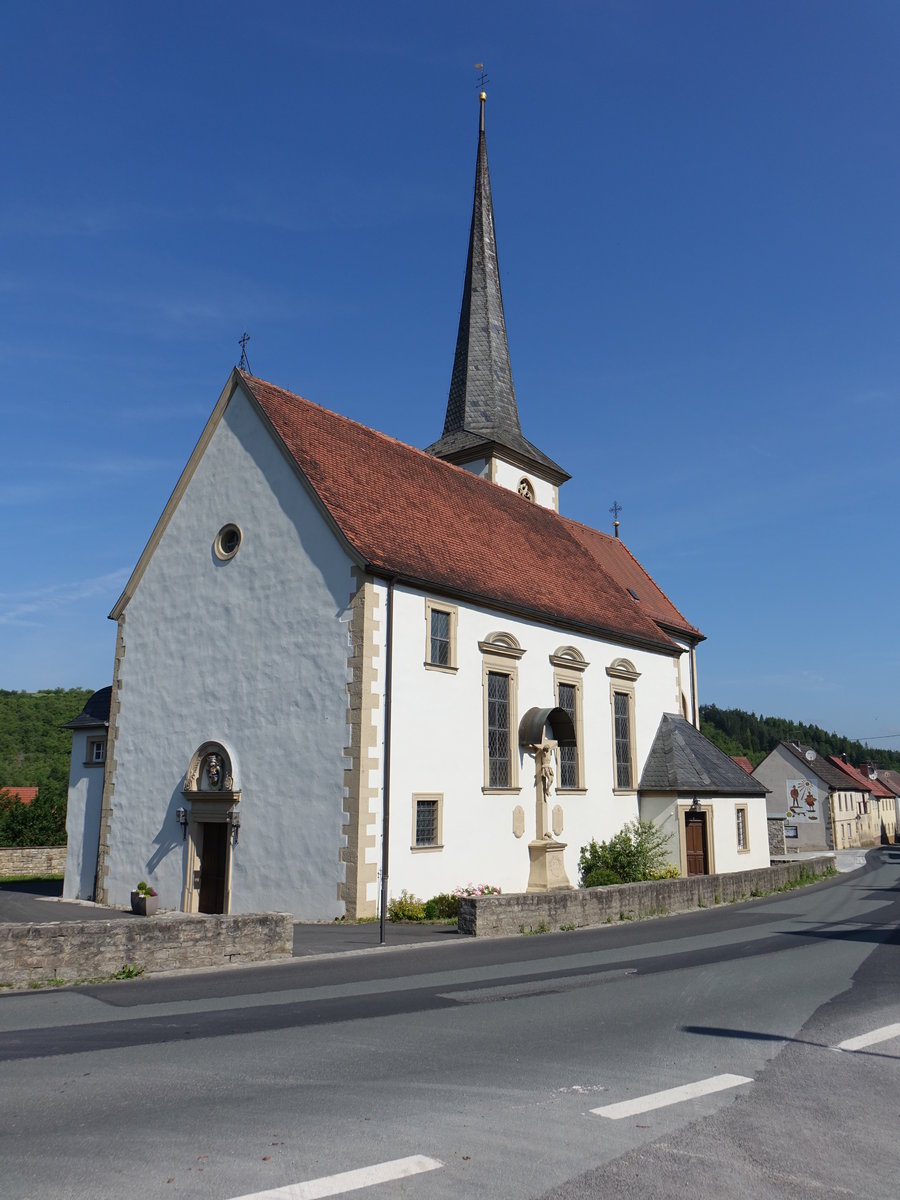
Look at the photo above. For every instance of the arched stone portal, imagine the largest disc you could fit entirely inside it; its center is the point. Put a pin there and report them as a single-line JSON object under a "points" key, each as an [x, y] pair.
{"points": [[211, 829]]}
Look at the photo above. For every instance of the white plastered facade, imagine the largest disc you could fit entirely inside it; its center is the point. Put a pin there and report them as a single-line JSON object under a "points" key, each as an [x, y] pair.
{"points": [[251, 653], [438, 744], [724, 854]]}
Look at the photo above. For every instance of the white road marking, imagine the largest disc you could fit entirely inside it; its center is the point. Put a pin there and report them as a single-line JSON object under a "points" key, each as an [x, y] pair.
{"points": [[689, 1091], [884, 1034], [349, 1181]]}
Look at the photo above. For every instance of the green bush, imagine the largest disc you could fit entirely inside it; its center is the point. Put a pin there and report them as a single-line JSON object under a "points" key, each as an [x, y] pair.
{"points": [[636, 853], [406, 908], [443, 907], [600, 877]]}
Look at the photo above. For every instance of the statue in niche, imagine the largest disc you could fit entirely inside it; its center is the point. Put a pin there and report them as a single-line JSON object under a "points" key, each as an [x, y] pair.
{"points": [[214, 772]]}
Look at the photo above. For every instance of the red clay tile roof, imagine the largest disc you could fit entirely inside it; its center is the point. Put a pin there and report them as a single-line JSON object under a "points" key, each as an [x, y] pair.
{"points": [[615, 558], [743, 761], [24, 795], [409, 514], [875, 786]]}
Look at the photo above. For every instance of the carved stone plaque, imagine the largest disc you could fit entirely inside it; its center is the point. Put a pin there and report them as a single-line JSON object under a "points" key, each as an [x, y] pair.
{"points": [[518, 820], [557, 819]]}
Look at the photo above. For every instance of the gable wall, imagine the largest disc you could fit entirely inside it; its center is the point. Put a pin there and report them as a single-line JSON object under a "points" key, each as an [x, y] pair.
{"points": [[836, 826], [438, 747], [252, 652]]}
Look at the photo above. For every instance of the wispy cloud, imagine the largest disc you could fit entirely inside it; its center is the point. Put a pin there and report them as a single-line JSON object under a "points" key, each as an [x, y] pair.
{"points": [[31, 606]]}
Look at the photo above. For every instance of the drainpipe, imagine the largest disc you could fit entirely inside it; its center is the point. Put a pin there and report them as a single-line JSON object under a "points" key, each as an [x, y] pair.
{"points": [[386, 789]]}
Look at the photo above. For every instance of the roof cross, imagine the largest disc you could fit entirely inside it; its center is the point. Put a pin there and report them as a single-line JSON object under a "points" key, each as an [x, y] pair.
{"points": [[615, 509], [244, 364]]}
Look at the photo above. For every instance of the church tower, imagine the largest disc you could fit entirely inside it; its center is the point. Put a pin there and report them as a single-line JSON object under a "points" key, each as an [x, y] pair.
{"points": [[482, 432]]}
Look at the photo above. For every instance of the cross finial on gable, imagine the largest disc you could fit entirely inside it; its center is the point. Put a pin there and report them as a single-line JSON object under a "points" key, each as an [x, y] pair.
{"points": [[244, 364]]}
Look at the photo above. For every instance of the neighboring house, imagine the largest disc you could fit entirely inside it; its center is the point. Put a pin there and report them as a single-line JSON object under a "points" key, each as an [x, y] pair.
{"points": [[891, 780], [340, 658], [713, 809], [877, 821], [24, 795], [743, 762], [819, 803], [89, 733]]}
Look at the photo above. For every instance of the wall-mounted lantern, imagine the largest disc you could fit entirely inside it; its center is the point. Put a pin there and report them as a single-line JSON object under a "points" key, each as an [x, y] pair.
{"points": [[182, 818]]}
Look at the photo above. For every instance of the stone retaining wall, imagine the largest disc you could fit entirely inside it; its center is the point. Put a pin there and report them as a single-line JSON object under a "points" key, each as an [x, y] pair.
{"points": [[546, 912], [73, 950], [32, 860]]}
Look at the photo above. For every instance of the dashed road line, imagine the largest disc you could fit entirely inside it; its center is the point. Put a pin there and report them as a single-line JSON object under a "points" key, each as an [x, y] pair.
{"points": [[884, 1034], [349, 1181], [676, 1095]]}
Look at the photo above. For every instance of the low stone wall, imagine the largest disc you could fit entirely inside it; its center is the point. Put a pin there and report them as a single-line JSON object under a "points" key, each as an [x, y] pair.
{"points": [[32, 860], [546, 912], [73, 950]]}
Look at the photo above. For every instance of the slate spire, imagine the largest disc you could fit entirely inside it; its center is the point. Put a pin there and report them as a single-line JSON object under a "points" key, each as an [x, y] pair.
{"points": [[481, 408]]}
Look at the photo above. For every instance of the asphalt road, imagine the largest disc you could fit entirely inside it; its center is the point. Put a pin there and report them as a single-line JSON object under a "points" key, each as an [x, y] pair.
{"points": [[478, 1067]]}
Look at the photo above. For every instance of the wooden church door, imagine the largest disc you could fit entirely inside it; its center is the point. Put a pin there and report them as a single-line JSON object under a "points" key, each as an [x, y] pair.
{"points": [[695, 844], [213, 867]]}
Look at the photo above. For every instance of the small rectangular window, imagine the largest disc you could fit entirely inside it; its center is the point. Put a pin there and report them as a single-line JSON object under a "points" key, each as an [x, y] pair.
{"points": [[743, 842], [440, 638], [96, 751], [498, 730], [426, 822], [622, 718], [440, 635], [426, 830]]}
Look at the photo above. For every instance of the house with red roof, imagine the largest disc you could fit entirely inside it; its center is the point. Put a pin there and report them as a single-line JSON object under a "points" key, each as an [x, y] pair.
{"points": [[347, 667], [877, 809], [22, 795]]}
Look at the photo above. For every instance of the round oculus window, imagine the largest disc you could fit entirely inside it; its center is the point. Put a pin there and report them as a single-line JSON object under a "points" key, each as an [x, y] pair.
{"points": [[228, 541]]}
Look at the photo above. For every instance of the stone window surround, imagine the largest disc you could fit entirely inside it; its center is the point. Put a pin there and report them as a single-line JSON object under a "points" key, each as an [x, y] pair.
{"points": [[500, 652], [569, 666], [738, 810], [90, 756], [439, 823], [453, 613], [623, 676]]}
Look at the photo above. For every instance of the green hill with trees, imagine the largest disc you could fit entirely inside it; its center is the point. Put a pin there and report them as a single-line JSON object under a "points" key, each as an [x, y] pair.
{"points": [[739, 732], [35, 752]]}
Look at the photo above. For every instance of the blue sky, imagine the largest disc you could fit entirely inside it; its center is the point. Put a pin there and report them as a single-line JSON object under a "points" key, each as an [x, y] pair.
{"points": [[697, 210]]}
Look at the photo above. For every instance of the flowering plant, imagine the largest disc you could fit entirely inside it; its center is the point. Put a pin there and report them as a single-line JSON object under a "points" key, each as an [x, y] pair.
{"points": [[477, 889], [144, 889]]}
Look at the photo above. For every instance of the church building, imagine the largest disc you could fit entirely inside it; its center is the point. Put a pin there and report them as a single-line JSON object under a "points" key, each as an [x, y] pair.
{"points": [[347, 667]]}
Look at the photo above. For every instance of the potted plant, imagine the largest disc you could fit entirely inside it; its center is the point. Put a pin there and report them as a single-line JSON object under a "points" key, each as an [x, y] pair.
{"points": [[144, 900]]}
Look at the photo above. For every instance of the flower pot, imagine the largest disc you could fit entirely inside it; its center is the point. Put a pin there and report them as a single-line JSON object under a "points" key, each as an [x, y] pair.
{"points": [[144, 906]]}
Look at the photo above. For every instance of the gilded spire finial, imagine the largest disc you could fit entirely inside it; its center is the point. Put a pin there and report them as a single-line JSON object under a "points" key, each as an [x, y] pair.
{"points": [[482, 80]]}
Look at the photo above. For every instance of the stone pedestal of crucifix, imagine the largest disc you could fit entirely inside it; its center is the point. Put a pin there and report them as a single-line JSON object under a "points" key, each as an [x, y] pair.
{"points": [[548, 871]]}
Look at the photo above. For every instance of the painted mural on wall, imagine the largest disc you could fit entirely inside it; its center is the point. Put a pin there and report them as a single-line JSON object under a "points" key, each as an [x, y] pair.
{"points": [[803, 800]]}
